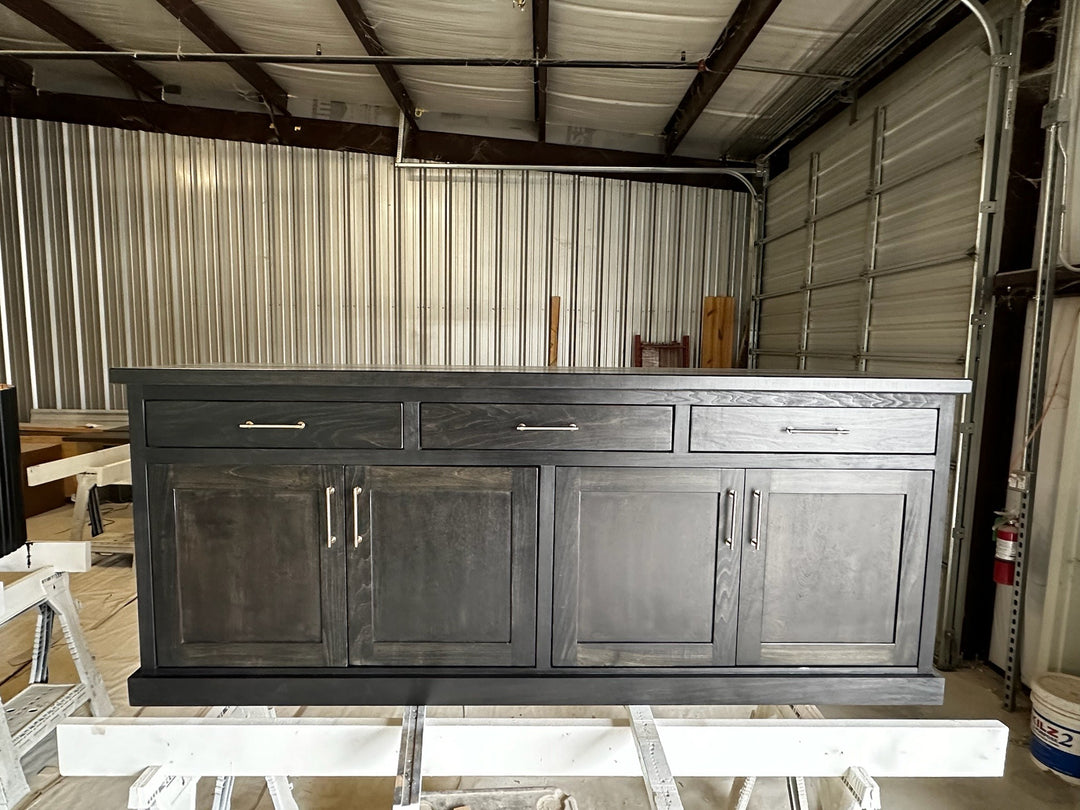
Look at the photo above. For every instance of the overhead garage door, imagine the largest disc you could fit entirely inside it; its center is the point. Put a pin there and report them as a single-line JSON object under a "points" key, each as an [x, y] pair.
{"points": [[870, 232]]}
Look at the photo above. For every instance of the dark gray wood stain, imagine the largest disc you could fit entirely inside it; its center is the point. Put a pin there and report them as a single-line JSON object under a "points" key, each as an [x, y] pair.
{"points": [[643, 575], [245, 575], [495, 427], [187, 423], [445, 572], [505, 566]]}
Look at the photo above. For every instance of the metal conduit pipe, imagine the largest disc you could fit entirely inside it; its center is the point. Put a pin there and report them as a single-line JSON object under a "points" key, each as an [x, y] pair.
{"points": [[416, 61]]}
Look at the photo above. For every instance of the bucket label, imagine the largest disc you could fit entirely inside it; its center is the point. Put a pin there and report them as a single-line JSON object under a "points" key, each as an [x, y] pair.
{"points": [[1055, 745]]}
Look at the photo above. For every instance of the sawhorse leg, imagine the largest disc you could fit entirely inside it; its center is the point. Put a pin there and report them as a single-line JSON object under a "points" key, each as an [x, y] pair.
{"points": [[86, 482], [13, 785], [61, 602], [410, 759], [663, 792]]}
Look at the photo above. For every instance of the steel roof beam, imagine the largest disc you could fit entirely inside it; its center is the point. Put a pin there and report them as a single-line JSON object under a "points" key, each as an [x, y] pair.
{"points": [[540, 74], [73, 35], [365, 32], [16, 70], [201, 122], [748, 18], [212, 35]]}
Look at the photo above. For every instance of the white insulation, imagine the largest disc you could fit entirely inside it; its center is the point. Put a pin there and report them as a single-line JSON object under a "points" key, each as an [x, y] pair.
{"points": [[122, 248]]}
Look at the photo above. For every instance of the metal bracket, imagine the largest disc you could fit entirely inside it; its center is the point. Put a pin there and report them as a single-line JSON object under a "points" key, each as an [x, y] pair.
{"points": [[1020, 480], [988, 207], [1056, 111]]}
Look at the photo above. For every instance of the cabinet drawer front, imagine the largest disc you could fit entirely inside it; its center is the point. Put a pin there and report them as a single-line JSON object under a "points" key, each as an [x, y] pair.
{"points": [[179, 423], [445, 425], [813, 430]]}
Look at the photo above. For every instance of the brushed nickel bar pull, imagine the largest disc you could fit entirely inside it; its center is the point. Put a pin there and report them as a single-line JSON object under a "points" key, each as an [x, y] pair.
{"points": [[357, 537], [249, 425], [755, 538], [732, 497], [837, 431], [330, 539], [570, 427]]}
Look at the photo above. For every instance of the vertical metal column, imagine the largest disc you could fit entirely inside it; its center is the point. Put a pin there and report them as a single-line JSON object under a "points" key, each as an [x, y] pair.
{"points": [[877, 161], [1047, 251], [997, 148], [808, 273], [758, 275]]}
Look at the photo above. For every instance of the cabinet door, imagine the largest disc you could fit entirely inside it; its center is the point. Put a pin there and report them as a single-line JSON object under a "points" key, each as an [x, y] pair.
{"points": [[646, 567], [833, 566], [245, 573], [442, 566]]}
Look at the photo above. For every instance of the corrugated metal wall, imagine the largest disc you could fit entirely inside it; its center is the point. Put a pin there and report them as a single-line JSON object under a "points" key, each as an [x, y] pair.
{"points": [[121, 248], [870, 232]]}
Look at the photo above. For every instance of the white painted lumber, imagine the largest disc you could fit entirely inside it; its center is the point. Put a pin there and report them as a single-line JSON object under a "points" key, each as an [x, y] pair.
{"points": [[63, 555], [526, 747], [119, 472], [73, 465]]}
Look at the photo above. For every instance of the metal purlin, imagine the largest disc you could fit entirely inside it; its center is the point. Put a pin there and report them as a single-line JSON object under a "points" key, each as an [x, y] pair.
{"points": [[997, 147], [1048, 234]]}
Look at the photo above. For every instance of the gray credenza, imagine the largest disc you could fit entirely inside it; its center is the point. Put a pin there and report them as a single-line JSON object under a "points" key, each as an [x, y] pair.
{"points": [[531, 536]]}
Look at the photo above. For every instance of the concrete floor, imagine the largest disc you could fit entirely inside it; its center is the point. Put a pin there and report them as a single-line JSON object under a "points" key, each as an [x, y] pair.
{"points": [[107, 596]]}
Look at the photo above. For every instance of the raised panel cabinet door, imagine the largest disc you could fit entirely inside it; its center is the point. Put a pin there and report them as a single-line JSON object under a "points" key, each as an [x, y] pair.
{"points": [[442, 565], [833, 567], [646, 567], [249, 566]]}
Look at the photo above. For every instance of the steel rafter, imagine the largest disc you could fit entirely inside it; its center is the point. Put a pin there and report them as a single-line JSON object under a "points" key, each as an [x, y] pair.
{"points": [[199, 23], [73, 35], [748, 18], [365, 32]]}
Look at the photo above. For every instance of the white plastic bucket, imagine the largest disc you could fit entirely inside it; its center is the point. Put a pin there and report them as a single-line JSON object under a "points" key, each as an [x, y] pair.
{"points": [[1055, 724]]}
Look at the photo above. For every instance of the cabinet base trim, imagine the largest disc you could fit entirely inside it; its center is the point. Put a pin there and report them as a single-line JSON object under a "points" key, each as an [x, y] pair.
{"points": [[253, 689]]}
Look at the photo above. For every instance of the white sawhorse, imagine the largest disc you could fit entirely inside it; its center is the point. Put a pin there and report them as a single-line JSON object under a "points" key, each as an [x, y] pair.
{"points": [[35, 712], [835, 751], [159, 788], [98, 469]]}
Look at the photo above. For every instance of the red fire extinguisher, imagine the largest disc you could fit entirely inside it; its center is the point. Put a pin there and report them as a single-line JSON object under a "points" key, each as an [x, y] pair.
{"points": [[1006, 534]]}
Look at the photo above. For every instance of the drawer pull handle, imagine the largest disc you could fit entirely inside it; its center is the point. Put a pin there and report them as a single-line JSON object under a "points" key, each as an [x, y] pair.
{"points": [[357, 537], [330, 539], [249, 425], [755, 538], [732, 497], [570, 427], [833, 431]]}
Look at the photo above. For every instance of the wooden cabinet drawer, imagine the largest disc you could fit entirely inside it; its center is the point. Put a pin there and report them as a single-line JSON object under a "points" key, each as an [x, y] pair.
{"points": [[189, 423], [446, 425], [813, 430]]}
